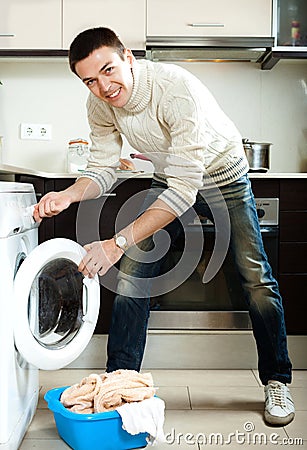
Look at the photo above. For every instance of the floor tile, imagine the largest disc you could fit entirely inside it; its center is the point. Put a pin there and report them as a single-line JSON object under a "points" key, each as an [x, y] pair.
{"points": [[42, 426], [298, 428], [204, 377], [228, 398], [43, 444], [299, 378], [299, 396], [175, 397]]}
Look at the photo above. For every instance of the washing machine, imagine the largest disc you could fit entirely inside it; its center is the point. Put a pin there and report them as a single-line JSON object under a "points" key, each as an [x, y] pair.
{"points": [[48, 313]]}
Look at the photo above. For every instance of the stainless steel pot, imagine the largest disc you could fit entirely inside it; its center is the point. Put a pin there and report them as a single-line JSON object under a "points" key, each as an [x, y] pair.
{"points": [[258, 155]]}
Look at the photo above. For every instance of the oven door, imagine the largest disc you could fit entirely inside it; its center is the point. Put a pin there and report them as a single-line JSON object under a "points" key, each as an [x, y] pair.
{"points": [[217, 305], [56, 306]]}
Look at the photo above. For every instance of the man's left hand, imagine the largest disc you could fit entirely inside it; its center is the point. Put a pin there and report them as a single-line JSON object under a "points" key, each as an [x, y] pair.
{"points": [[100, 257]]}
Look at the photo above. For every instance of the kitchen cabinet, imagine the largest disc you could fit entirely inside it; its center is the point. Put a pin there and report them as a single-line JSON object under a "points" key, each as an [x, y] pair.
{"points": [[126, 18], [289, 28], [290, 24], [292, 264], [292, 253], [53, 24], [207, 18], [30, 24]]}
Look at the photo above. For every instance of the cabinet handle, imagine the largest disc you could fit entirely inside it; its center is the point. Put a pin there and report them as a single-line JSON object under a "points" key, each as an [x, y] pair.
{"points": [[206, 25], [7, 35]]}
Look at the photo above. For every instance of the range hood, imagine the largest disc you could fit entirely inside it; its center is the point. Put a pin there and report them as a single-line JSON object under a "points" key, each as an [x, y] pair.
{"points": [[197, 48], [279, 53]]}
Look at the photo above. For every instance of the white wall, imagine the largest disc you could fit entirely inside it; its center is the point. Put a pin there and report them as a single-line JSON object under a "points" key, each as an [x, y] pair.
{"points": [[268, 106]]}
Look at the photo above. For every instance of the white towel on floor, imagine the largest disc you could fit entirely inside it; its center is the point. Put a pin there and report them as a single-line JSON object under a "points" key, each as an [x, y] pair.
{"points": [[146, 416]]}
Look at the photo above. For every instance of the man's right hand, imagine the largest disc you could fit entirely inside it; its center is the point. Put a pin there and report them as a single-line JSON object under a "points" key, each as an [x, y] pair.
{"points": [[55, 202], [51, 204]]}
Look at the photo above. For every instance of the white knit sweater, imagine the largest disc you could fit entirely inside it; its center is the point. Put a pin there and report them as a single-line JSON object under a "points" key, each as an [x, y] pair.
{"points": [[172, 118]]}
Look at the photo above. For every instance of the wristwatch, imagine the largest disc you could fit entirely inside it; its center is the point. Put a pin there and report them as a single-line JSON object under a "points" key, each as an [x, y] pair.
{"points": [[121, 242]]}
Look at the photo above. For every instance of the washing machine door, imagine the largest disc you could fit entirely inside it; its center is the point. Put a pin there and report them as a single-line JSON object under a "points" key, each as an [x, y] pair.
{"points": [[56, 306]]}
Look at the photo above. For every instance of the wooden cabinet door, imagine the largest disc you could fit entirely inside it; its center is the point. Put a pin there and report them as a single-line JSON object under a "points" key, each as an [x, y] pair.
{"points": [[292, 253], [293, 226], [293, 195], [293, 288], [292, 257], [209, 18], [127, 18], [31, 24], [265, 187]]}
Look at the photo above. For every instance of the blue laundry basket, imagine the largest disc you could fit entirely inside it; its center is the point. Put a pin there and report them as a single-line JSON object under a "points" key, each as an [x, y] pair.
{"points": [[99, 431]]}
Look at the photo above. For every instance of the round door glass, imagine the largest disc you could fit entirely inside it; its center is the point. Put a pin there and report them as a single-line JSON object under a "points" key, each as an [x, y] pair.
{"points": [[55, 307]]}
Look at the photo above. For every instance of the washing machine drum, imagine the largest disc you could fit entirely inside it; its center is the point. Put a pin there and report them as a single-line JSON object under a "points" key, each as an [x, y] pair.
{"points": [[56, 306]]}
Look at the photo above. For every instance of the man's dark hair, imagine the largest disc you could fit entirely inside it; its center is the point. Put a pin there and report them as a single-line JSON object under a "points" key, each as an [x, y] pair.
{"points": [[89, 40]]}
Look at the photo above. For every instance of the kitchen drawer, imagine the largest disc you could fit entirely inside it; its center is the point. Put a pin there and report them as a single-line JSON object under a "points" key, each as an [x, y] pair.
{"points": [[293, 226], [265, 188], [293, 289], [293, 195], [293, 257]]}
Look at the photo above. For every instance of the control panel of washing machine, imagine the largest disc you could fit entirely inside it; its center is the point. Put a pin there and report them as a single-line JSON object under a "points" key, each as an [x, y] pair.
{"points": [[16, 210]]}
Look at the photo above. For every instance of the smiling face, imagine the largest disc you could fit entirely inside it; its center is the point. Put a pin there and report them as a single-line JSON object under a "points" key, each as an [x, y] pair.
{"points": [[108, 76]]}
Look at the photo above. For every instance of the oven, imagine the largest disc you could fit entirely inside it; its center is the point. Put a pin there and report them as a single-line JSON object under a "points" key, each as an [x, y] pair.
{"points": [[218, 304]]}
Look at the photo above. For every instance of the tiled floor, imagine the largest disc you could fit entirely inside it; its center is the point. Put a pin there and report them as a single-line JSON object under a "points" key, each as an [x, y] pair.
{"points": [[222, 406]]}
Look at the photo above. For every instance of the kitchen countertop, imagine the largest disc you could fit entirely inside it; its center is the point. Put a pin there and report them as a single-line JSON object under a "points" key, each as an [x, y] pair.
{"points": [[7, 169], [278, 175]]}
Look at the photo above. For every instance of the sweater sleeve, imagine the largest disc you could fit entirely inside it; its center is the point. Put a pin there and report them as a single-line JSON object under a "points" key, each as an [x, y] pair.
{"points": [[106, 144]]}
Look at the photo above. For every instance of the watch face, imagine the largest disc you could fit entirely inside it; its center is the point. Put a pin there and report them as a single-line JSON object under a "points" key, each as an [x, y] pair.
{"points": [[121, 241]]}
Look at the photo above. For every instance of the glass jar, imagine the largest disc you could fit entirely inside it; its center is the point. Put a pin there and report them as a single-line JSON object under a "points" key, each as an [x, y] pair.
{"points": [[291, 23], [77, 155]]}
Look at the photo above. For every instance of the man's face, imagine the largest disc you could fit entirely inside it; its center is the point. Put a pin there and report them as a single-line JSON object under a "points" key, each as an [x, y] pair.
{"points": [[107, 76]]}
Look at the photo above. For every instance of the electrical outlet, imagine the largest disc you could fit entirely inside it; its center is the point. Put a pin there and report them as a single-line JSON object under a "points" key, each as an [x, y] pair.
{"points": [[36, 131]]}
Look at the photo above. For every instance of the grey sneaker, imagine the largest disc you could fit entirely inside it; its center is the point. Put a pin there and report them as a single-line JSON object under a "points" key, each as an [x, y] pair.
{"points": [[279, 406]]}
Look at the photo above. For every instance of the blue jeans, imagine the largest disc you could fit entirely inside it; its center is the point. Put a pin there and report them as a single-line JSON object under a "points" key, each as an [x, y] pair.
{"points": [[131, 308]]}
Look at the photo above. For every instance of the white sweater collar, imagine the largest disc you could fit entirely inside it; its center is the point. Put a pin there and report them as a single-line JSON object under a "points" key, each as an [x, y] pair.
{"points": [[142, 87]]}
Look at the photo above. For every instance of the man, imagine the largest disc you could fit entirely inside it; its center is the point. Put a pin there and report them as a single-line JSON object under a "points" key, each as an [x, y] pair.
{"points": [[199, 162]]}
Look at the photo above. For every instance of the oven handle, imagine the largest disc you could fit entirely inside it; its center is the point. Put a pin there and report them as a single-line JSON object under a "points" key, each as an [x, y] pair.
{"points": [[267, 230]]}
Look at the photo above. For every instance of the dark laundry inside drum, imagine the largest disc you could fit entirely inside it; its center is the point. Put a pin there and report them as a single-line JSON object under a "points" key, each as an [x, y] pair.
{"points": [[49, 305], [60, 287]]}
